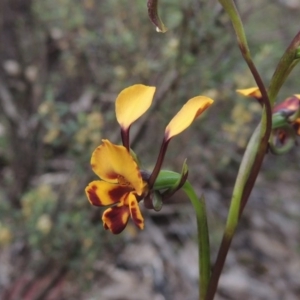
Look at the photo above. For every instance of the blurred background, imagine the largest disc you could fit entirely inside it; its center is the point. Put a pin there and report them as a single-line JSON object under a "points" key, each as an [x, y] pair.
{"points": [[62, 64]]}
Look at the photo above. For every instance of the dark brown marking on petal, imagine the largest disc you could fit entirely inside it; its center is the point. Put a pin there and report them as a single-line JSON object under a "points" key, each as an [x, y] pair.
{"points": [[134, 216], [119, 191], [112, 175], [117, 221], [93, 198]]}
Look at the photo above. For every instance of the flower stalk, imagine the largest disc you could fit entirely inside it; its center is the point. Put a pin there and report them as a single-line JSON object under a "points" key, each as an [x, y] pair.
{"points": [[252, 159], [167, 178]]}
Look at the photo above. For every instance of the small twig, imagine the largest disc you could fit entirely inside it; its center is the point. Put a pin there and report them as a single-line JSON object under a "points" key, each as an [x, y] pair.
{"points": [[7, 104]]}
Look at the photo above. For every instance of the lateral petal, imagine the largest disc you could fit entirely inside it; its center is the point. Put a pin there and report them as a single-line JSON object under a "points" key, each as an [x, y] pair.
{"points": [[188, 113], [135, 211], [132, 103], [101, 193], [250, 92], [116, 218], [112, 162]]}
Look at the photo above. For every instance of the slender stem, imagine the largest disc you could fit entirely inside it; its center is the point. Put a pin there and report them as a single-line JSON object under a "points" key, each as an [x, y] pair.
{"points": [[203, 239], [167, 179], [286, 64], [253, 156], [219, 265], [159, 162], [125, 138], [248, 172], [232, 11]]}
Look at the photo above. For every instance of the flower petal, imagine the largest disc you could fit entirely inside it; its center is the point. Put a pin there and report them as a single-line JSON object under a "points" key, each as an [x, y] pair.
{"points": [[296, 125], [250, 92], [132, 103], [116, 218], [110, 162], [188, 113], [101, 193], [289, 105], [135, 211]]}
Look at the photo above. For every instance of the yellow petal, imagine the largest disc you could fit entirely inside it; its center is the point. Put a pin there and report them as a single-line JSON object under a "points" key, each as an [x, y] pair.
{"points": [[132, 103], [297, 95], [101, 193], [135, 212], [116, 218], [113, 163], [188, 113], [250, 92]]}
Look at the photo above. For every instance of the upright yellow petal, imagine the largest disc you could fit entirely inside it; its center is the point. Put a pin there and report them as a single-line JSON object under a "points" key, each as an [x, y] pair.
{"points": [[250, 92], [132, 103], [113, 163], [188, 113]]}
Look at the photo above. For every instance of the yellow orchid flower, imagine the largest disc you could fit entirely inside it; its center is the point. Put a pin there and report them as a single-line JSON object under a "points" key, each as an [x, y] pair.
{"points": [[123, 185]]}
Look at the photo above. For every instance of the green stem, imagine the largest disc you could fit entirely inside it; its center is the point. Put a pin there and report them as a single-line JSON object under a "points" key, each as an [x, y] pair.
{"points": [[288, 61], [253, 156], [166, 179], [232, 12], [248, 171], [203, 239]]}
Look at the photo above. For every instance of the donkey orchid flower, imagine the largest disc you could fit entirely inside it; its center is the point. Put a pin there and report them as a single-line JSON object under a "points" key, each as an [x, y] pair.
{"points": [[123, 185]]}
